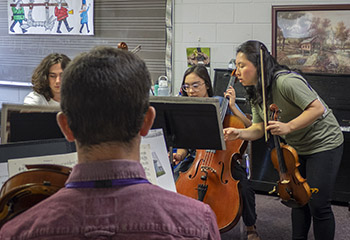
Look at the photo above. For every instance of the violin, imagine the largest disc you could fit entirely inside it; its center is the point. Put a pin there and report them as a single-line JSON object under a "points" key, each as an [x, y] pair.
{"points": [[292, 187], [209, 179], [25, 189]]}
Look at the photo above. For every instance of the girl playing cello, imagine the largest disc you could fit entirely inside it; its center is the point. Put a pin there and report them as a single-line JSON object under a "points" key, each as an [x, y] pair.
{"points": [[197, 83]]}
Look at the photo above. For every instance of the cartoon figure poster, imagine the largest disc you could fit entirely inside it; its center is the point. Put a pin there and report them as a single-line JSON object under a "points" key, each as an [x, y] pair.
{"points": [[74, 17]]}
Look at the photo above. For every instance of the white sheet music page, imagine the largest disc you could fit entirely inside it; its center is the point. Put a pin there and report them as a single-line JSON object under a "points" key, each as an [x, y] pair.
{"points": [[147, 163], [18, 165], [164, 173], [4, 174], [153, 155]]}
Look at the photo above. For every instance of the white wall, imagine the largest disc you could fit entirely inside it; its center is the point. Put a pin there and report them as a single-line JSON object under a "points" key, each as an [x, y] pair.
{"points": [[13, 94], [222, 25]]}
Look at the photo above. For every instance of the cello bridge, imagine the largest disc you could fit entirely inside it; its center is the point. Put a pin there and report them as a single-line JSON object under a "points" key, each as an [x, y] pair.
{"points": [[285, 181]]}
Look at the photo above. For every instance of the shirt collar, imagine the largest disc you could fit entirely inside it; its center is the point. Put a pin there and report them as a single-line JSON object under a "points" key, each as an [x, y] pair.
{"points": [[106, 170]]}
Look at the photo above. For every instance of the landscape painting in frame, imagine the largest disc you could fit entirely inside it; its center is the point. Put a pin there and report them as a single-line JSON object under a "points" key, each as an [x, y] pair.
{"points": [[312, 38]]}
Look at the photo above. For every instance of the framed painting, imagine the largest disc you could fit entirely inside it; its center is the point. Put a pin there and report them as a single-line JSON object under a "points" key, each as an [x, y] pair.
{"points": [[198, 55], [312, 38]]}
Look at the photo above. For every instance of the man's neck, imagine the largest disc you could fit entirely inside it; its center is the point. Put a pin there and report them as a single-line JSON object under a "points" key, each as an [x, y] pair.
{"points": [[108, 151]]}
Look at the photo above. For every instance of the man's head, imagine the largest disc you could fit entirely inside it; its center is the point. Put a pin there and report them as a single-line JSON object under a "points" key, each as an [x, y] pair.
{"points": [[105, 96]]}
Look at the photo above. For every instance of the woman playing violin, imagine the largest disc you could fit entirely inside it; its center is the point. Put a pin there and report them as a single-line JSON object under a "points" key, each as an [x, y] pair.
{"points": [[196, 83], [306, 123]]}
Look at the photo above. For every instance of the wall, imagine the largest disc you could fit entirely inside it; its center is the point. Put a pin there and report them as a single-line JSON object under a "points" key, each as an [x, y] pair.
{"points": [[219, 24], [222, 25], [140, 22]]}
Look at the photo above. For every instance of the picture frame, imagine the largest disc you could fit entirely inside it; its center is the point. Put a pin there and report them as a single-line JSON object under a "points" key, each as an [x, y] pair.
{"points": [[312, 38], [198, 55]]}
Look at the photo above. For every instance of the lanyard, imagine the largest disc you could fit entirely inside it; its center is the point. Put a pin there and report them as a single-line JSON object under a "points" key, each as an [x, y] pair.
{"points": [[106, 183]]}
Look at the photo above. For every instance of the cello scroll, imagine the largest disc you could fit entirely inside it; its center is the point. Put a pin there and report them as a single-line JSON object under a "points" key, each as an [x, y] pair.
{"points": [[124, 46]]}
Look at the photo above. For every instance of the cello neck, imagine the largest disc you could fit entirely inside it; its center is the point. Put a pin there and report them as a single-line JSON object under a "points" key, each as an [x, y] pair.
{"points": [[225, 101]]}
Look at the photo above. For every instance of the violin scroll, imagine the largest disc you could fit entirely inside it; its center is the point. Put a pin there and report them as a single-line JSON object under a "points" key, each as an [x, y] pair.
{"points": [[123, 45], [275, 111]]}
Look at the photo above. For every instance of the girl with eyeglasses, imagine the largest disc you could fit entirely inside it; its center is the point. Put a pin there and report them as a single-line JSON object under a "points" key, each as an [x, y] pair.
{"points": [[196, 83]]}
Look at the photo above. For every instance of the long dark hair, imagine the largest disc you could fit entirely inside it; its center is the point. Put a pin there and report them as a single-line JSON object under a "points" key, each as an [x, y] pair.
{"points": [[201, 71], [251, 50], [40, 77]]}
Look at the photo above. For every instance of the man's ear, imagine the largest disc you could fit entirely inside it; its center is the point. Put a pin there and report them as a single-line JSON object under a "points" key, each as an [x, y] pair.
{"points": [[148, 121], [65, 129]]}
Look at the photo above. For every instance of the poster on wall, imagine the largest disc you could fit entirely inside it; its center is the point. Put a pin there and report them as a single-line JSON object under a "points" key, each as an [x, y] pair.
{"points": [[198, 55], [59, 17]]}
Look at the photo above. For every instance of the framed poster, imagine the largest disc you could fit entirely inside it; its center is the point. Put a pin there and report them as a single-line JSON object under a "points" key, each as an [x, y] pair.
{"points": [[312, 38]]}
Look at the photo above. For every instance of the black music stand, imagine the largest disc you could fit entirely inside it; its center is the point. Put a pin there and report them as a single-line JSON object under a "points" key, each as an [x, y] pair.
{"points": [[191, 123], [28, 122]]}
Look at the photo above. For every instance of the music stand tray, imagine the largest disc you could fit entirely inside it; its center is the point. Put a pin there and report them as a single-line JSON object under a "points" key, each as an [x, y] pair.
{"points": [[28, 122]]}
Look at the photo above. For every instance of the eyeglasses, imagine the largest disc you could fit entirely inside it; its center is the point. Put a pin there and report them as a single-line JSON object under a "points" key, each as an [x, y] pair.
{"points": [[195, 87]]}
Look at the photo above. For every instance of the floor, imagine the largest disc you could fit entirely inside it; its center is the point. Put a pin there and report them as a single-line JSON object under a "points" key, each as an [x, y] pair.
{"points": [[274, 221]]}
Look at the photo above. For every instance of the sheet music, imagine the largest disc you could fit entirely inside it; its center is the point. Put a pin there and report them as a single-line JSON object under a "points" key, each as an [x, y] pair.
{"points": [[4, 174], [147, 163], [70, 159], [164, 173], [18, 165], [153, 157]]}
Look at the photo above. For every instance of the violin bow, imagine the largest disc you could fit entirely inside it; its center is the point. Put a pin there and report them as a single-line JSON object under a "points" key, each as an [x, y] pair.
{"points": [[263, 92]]}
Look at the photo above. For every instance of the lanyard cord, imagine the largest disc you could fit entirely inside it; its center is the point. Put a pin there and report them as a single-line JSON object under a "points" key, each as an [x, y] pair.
{"points": [[106, 183]]}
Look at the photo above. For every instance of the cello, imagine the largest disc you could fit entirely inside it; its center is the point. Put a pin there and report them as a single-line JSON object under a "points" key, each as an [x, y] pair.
{"points": [[292, 187], [25, 189], [209, 179]]}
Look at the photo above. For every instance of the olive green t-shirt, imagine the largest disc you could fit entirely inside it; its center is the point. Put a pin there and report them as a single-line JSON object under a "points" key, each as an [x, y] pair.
{"points": [[292, 94]]}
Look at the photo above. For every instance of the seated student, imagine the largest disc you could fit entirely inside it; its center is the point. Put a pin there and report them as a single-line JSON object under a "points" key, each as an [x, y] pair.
{"points": [[196, 83], [107, 195], [46, 81]]}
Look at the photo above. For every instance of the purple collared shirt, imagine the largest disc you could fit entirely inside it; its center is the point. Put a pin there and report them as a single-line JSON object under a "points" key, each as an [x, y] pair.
{"points": [[139, 211]]}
